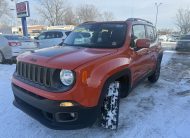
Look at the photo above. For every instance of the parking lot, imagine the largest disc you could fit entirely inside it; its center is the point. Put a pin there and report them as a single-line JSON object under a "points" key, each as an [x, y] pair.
{"points": [[151, 110]]}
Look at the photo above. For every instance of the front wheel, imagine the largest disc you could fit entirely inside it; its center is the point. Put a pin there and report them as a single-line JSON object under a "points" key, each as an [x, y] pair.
{"points": [[110, 107], [155, 76]]}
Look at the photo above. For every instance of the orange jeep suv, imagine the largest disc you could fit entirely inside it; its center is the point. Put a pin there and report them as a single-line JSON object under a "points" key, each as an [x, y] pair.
{"points": [[74, 85]]}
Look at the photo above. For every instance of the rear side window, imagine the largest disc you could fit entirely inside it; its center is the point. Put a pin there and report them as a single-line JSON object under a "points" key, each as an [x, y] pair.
{"points": [[151, 33], [51, 35]]}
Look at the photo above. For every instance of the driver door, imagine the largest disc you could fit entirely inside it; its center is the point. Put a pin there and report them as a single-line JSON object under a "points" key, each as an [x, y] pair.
{"points": [[140, 58]]}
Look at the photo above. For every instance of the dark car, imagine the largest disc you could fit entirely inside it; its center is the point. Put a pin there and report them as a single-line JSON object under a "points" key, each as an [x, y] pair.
{"points": [[184, 43]]}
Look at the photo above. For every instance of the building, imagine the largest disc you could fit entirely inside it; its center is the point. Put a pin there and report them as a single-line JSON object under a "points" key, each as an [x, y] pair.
{"points": [[33, 30], [64, 27]]}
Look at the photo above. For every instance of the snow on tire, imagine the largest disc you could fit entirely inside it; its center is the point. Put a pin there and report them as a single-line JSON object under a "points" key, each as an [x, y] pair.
{"points": [[110, 108]]}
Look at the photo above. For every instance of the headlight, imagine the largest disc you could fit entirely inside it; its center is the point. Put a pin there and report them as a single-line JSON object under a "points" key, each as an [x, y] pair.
{"points": [[67, 77]]}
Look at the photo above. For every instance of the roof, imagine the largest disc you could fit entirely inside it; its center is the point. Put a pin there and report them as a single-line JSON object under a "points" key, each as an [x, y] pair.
{"points": [[93, 22], [128, 20]]}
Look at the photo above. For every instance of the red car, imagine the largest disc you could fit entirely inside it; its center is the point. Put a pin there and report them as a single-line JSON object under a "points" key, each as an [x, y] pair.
{"points": [[72, 86]]}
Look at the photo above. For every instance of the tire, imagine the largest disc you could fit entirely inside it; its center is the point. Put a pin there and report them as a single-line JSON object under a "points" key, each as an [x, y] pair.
{"points": [[110, 107], [155, 76], [2, 59]]}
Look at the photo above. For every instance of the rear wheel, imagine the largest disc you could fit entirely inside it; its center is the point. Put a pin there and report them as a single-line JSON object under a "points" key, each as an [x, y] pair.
{"points": [[155, 76], [110, 107], [2, 59]]}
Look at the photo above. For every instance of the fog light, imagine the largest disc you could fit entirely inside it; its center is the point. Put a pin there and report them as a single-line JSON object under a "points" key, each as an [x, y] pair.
{"points": [[66, 104]]}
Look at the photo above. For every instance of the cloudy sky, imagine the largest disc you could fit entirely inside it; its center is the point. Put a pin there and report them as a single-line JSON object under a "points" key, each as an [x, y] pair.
{"points": [[123, 9]]}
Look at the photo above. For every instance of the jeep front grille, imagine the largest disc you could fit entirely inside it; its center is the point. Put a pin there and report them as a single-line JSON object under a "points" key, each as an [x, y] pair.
{"points": [[35, 73]]}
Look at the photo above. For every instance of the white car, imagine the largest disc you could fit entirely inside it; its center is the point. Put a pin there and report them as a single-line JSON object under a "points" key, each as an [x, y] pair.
{"points": [[163, 38], [19, 44], [51, 38], [5, 50]]}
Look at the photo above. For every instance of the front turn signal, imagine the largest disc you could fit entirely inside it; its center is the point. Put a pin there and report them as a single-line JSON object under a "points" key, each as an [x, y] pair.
{"points": [[84, 76]]}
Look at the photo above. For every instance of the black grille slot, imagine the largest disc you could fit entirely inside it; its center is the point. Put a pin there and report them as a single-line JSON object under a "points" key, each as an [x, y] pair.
{"points": [[48, 77], [35, 73], [41, 75]]}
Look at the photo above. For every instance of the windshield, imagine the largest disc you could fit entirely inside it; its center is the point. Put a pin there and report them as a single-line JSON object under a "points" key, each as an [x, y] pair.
{"points": [[185, 37], [107, 35]]}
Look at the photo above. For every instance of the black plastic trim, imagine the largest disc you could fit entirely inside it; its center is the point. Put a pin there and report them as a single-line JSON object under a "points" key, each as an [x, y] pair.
{"points": [[125, 72], [45, 111]]}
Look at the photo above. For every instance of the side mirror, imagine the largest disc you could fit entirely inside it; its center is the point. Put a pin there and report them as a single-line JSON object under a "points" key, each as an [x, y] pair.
{"points": [[143, 43], [61, 44]]}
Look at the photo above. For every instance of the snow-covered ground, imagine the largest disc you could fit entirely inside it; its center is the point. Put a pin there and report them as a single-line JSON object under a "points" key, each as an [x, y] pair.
{"points": [[150, 111]]}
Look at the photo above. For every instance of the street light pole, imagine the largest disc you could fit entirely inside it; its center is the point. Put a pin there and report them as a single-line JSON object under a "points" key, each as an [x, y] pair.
{"points": [[157, 10], [14, 9]]}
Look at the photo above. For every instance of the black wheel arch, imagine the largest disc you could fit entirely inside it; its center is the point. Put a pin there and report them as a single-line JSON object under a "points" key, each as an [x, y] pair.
{"points": [[124, 77], [160, 55]]}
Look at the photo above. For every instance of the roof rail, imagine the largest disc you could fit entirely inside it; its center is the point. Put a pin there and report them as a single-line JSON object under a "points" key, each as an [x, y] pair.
{"points": [[89, 22], [139, 19]]}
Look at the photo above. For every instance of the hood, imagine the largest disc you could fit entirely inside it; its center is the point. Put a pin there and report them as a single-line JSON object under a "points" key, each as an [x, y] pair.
{"points": [[67, 57]]}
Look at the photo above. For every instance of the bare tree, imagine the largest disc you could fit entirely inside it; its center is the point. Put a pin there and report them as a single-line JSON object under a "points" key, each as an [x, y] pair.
{"points": [[107, 16], [4, 8], [87, 13], [53, 11], [70, 17], [32, 21], [183, 20]]}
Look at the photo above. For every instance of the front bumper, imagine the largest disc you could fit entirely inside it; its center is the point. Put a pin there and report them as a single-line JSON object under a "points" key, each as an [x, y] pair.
{"points": [[50, 114]]}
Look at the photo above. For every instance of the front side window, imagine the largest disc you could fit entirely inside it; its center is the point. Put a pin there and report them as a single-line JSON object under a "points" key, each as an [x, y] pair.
{"points": [[42, 36], [138, 33], [100, 35], [151, 33]]}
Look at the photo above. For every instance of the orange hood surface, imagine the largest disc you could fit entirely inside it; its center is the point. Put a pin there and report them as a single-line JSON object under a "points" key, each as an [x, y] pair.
{"points": [[64, 57]]}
